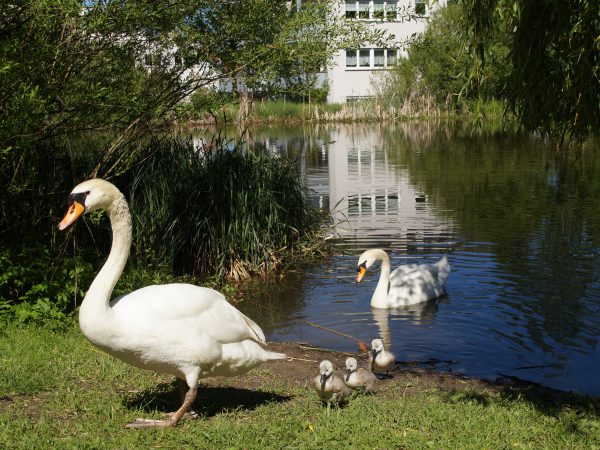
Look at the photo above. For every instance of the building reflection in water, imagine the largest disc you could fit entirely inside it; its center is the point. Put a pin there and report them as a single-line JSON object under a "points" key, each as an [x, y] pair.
{"points": [[373, 199], [351, 172]]}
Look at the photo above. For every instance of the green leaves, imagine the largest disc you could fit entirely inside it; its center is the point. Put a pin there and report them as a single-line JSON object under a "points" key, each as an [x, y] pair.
{"points": [[224, 212], [554, 50], [439, 63], [35, 287], [73, 65]]}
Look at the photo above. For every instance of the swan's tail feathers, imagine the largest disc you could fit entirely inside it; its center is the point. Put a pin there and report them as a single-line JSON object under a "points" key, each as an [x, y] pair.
{"points": [[443, 269], [273, 356], [257, 332]]}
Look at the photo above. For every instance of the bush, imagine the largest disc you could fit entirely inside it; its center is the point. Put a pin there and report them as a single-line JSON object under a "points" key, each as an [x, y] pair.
{"points": [[224, 212], [221, 213], [440, 64], [35, 286]]}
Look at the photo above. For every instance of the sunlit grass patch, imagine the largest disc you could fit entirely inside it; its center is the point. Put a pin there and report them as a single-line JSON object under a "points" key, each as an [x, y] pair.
{"points": [[81, 398]]}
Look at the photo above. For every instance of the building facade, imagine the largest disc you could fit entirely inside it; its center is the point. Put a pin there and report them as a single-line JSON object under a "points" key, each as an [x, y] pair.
{"points": [[357, 73]]}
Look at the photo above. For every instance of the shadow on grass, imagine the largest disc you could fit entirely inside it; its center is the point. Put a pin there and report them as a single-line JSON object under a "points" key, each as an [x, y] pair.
{"points": [[210, 400], [547, 401]]}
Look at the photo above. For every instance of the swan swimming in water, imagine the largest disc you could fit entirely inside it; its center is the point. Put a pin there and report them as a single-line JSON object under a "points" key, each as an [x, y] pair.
{"points": [[408, 284], [187, 331]]}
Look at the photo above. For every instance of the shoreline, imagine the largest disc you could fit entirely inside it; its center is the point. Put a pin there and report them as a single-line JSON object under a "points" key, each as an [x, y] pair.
{"points": [[306, 357]]}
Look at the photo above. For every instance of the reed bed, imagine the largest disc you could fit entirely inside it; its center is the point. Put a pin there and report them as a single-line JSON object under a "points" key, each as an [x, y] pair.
{"points": [[377, 108], [223, 212]]}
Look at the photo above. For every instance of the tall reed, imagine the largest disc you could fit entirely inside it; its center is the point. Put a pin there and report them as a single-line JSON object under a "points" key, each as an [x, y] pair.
{"points": [[223, 212]]}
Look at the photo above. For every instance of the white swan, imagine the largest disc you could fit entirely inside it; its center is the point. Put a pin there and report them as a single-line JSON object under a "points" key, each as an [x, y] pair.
{"points": [[330, 387], [380, 360], [357, 377], [408, 284], [184, 330]]}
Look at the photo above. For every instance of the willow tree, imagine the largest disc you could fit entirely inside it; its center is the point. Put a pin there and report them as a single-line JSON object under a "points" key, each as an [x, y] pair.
{"points": [[554, 84]]}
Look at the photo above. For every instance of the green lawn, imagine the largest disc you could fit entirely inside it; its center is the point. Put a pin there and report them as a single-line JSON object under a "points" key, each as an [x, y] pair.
{"points": [[57, 391]]}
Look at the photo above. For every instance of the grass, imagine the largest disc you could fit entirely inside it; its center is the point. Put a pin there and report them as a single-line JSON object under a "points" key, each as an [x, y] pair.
{"points": [[366, 110], [273, 111], [57, 391], [229, 213]]}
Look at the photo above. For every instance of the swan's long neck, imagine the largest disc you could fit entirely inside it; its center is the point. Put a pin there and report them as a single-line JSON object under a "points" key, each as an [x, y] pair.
{"points": [[95, 306], [380, 296]]}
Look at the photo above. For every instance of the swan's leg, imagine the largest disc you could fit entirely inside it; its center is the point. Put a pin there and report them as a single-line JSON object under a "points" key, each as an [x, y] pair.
{"points": [[190, 396], [183, 388]]}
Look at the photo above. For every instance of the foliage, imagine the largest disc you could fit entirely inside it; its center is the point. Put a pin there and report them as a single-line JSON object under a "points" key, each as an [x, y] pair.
{"points": [[125, 67], [36, 286], [280, 58], [439, 64], [185, 218], [267, 111], [76, 65], [554, 49], [224, 211], [33, 184]]}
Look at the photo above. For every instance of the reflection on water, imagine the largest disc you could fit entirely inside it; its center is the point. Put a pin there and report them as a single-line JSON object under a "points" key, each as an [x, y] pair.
{"points": [[522, 234]]}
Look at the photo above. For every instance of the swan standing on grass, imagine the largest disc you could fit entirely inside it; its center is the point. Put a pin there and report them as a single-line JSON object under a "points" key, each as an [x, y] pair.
{"points": [[184, 330], [408, 284], [357, 377], [330, 387], [380, 360]]}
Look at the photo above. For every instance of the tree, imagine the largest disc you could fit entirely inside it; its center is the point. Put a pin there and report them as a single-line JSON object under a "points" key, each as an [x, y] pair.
{"points": [[76, 65], [79, 65], [439, 64], [269, 46], [554, 83]]}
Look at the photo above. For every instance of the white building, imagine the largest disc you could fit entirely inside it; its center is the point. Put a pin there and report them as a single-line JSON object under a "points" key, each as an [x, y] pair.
{"points": [[355, 73]]}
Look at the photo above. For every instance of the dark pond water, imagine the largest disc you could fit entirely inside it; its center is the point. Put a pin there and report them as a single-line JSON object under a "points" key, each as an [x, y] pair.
{"points": [[522, 233]]}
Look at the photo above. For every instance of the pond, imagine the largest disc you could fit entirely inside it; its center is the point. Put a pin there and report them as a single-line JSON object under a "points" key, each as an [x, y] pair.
{"points": [[521, 231]]}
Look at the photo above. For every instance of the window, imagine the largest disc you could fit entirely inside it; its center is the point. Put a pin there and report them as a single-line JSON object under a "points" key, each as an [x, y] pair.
{"points": [[378, 9], [378, 57], [350, 9], [152, 59], [351, 58], [392, 57], [371, 58], [391, 10], [420, 7], [364, 58], [363, 10]]}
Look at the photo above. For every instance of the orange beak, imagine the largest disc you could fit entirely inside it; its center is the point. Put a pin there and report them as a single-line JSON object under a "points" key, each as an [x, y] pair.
{"points": [[361, 273], [74, 211]]}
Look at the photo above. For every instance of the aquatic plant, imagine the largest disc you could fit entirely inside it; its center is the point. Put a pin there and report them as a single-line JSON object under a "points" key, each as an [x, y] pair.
{"points": [[219, 211]]}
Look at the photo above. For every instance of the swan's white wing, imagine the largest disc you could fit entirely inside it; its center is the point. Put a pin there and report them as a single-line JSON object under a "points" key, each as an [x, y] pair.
{"points": [[416, 286], [402, 270], [173, 306]]}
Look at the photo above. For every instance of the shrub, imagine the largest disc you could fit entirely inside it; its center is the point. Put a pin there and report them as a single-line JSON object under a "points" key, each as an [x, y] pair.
{"points": [[36, 286], [222, 212]]}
